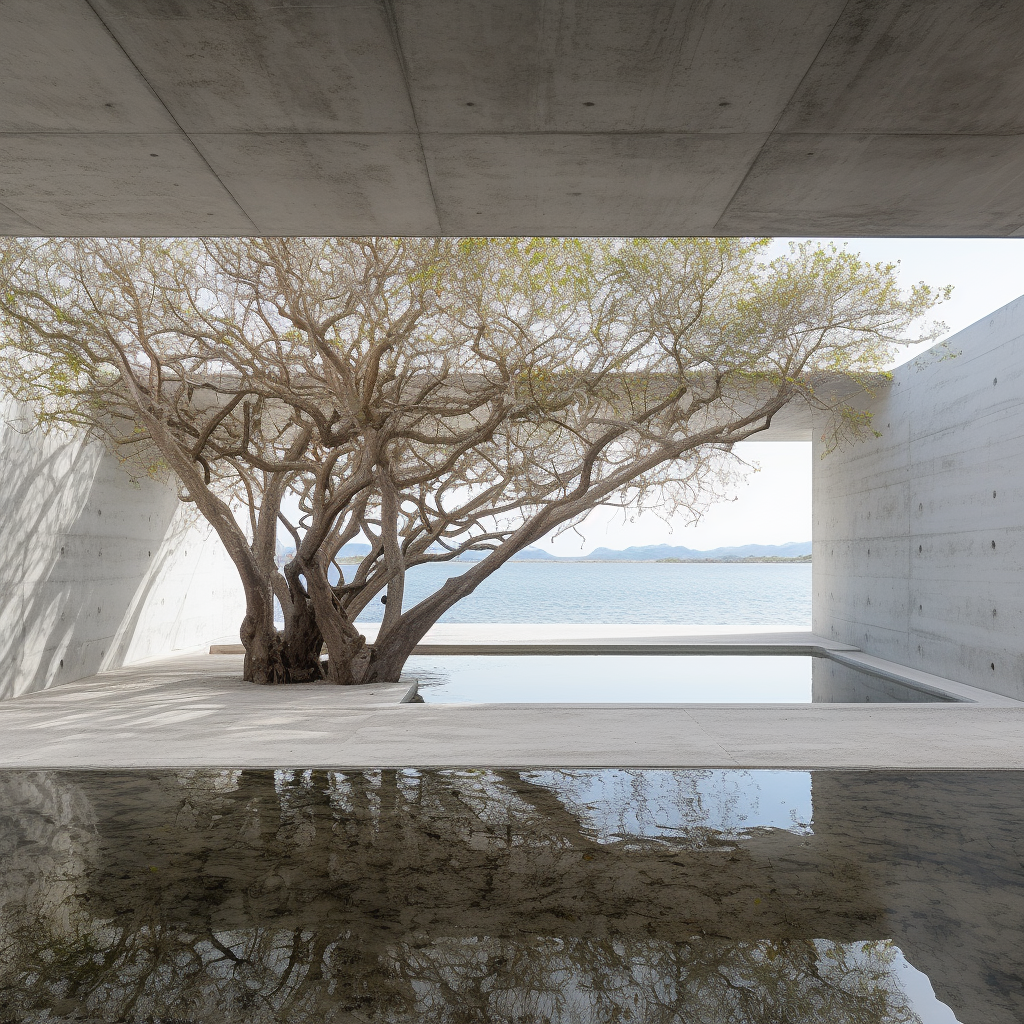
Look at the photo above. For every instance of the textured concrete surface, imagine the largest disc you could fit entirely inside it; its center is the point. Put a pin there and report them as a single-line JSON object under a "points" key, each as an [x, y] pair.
{"points": [[97, 571], [519, 638], [919, 533], [516, 635], [195, 711], [869, 117], [584, 638]]}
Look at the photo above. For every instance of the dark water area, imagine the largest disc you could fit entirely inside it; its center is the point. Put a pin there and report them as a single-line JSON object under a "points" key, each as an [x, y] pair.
{"points": [[458, 896], [652, 679]]}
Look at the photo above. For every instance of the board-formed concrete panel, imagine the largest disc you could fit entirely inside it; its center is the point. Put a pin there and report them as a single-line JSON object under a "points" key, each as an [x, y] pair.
{"points": [[612, 66], [98, 570], [635, 184], [907, 66], [873, 184], [63, 71], [578, 117], [919, 533], [250, 66], [295, 184], [99, 184]]}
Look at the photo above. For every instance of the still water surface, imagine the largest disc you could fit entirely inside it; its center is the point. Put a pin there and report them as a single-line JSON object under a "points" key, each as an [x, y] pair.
{"points": [[650, 679], [463, 896]]}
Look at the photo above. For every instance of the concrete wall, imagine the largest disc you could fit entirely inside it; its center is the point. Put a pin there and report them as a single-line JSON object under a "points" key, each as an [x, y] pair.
{"points": [[919, 534], [97, 571]]}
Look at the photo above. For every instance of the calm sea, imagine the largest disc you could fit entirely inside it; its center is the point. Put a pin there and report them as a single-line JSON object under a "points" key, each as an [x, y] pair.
{"points": [[637, 592]]}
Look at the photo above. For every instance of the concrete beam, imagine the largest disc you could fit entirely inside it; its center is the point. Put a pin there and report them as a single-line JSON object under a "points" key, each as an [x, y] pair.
{"points": [[869, 117]]}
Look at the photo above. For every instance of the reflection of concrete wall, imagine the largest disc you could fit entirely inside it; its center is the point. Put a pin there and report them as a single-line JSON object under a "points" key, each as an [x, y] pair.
{"points": [[97, 571], [46, 866], [919, 533], [938, 851], [833, 683]]}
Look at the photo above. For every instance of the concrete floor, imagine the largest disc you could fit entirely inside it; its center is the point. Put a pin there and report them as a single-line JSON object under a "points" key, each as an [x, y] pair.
{"points": [[195, 711]]}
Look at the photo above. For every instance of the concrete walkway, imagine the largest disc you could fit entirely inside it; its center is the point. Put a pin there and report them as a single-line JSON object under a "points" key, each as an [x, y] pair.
{"points": [[195, 711]]}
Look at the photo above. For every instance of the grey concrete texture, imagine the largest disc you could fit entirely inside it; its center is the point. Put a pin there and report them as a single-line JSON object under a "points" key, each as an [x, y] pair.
{"points": [[572, 638], [466, 117], [98, 570], [919, 533], [195, 711]]}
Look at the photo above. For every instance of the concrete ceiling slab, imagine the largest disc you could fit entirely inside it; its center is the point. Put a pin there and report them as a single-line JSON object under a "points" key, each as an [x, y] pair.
{"points": [[906, 66], [12, 223], [512, 116], [330, 184], [882, 185], [585, 184], [612, 66], [100, 184], [267, 65], [62, 71]]}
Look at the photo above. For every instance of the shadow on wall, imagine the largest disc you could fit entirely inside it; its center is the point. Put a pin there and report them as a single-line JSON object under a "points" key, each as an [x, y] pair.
{"points": [[98, 570]]}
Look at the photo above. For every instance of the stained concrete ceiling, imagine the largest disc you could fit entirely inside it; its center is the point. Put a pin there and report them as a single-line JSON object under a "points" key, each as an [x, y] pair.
{"points": [[631, 117]]}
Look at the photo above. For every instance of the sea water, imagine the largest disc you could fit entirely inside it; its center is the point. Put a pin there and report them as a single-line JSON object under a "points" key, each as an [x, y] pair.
{"points": [[651, 679], [686, 593]]}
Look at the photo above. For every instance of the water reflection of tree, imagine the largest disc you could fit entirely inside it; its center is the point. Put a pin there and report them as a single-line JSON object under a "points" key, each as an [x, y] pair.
{"points": [[447, 897], [711, 803]]}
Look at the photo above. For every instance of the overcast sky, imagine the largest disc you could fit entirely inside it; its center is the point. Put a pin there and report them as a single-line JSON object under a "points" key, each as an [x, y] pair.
{"points": [[774, 506]]}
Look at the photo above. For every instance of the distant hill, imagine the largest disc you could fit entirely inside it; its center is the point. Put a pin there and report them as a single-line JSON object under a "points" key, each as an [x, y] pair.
{"points": [[354, 550], [360, 550], [526, 555], [647, 553], [654, 552]]}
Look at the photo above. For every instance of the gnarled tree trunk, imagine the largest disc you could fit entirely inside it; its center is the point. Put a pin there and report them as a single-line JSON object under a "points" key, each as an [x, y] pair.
{"points": [[264, 647]]}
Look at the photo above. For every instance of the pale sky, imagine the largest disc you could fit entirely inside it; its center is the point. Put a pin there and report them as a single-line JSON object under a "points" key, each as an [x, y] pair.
{"points": [[774, 506]]}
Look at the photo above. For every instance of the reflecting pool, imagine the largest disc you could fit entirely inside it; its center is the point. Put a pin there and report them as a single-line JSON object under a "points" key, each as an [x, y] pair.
{"points": [[651, 679], [455, 896]]}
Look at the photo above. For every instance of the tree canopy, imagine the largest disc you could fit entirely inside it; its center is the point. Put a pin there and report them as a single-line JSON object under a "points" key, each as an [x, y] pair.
{"points": [[431, 395]]}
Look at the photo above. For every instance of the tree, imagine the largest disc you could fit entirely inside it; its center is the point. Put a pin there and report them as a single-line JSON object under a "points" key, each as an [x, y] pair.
{"points": [[434, 395]]}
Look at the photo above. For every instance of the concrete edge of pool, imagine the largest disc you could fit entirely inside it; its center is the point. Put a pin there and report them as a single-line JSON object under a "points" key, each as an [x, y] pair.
{"points": [[924, 682], [193, 711], [575, 639]]}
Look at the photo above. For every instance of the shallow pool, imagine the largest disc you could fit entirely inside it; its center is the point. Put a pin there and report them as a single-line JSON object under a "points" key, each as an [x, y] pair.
{"points": [[650, 679], [451, 896]]}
